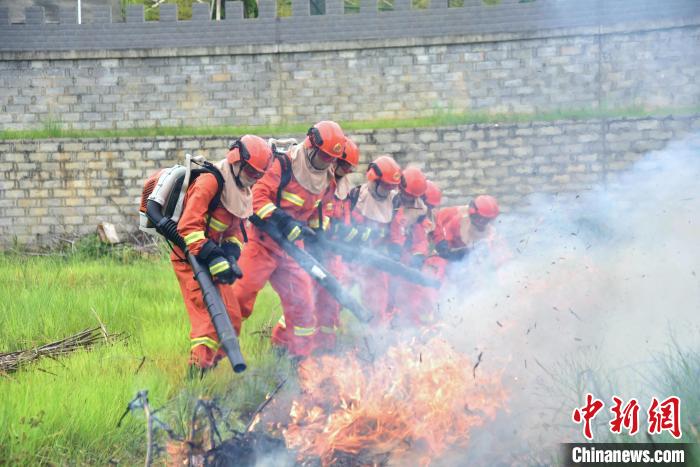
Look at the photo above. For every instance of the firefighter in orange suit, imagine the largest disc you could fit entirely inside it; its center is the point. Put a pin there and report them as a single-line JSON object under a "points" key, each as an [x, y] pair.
{"points": [[335, 209], [288, 196], [372, 210], [215, 239], [411, 240], [458, 230]]}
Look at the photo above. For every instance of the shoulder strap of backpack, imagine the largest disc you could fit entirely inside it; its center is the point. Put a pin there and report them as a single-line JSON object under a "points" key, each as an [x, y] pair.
{"points": [[286, 174], [354, 195], [209, 168]]}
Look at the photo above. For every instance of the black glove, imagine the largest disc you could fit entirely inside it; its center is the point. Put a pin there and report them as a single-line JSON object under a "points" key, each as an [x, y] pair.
{"points": [[219, 266], [417, 261], [233, 252], [231, 249], [287, 225], [444, 250], [311, 235], [394, 251]]}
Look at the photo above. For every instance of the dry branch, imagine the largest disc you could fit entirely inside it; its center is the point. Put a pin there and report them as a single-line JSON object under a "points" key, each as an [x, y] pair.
{"points": [[12, 361]]}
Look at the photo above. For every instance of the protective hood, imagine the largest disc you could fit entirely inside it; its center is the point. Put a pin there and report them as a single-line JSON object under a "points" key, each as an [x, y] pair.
{"points": [[342, 187], [313, 180], [468, 233], [378, 210], [414, 211], [237, 201]]}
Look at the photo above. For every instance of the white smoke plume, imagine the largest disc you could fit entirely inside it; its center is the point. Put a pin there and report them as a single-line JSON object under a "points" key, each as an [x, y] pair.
{"points": [[598, 286]]}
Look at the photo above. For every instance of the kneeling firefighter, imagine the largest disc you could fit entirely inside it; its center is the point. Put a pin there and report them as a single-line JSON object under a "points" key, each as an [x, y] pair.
{"points": [[213, 231]]}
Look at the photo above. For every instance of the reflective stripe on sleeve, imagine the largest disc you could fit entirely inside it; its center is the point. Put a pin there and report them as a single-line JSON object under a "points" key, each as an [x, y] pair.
{"points": [[216, 224], [235, 240], [219, 267], [266, 210], [292, 198], [192, 237]]}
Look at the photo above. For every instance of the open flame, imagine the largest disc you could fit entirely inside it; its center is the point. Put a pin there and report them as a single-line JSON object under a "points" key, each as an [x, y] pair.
{"points": [[417, 399]]}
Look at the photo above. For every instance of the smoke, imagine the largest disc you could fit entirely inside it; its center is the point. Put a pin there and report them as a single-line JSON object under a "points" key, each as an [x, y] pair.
{"points": [[598, 285], [595, 287]]}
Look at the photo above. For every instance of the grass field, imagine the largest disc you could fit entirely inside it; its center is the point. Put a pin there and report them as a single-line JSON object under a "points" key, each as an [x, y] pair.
{"points": [[58, 411], [65, 411]]}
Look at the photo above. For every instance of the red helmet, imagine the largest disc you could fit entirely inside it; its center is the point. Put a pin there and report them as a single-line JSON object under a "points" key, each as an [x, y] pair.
{"points": [[351, 155], [251, 149], [413, 182], [385, 169], [485, 206], [328, 137], [433, 195]]}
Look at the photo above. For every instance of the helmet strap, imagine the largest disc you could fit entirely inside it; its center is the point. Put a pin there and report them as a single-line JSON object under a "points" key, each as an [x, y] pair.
{"points": [[237, 176]]}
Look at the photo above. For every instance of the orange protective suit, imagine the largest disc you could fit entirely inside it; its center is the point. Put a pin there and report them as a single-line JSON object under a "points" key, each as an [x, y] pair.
{"points": [[372, 220], [192, 227], [411, 301], [264, 260], [327, 307]]}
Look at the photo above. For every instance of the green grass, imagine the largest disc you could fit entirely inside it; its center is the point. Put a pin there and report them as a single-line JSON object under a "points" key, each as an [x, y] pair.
{"points": [[439, 119], [55, 411]]}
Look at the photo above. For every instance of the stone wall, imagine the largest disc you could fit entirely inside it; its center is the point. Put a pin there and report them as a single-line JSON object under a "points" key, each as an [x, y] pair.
{"points": [[346, 75], [64, 188]]}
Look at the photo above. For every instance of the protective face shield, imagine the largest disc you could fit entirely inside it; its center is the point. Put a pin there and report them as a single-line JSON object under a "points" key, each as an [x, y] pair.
{"points": [[320, 160]]}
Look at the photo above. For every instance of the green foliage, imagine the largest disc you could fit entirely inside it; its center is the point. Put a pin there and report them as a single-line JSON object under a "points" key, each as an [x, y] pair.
{"points": [[66, 410], [152, 12], [439, 118]]}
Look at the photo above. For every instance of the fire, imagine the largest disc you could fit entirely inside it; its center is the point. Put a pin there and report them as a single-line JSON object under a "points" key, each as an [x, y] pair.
{"points": [[417, 398]]}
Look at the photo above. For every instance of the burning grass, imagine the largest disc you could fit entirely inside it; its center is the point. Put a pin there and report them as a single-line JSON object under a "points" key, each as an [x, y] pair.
{"points": [[415, 400]]}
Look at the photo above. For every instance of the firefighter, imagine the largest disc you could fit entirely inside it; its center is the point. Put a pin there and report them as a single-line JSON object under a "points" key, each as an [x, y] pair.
{"points": [[287, 196], [409, 241], [215, 239], [418, 303], [372, 210], [334, 209], [459, 229], [408, 234], [432, 199]]}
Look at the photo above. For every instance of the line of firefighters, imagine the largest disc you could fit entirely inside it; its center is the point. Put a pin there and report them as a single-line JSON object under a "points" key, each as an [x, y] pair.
{"points": [[306, 194]]}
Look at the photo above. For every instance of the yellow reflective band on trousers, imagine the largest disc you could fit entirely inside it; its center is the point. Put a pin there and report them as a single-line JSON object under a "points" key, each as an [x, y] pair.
{"points": [[304, 332], [205, 341], [313, 223], [266, 210], [292, 198], [192, 237], [219, 267], [216, 224]]}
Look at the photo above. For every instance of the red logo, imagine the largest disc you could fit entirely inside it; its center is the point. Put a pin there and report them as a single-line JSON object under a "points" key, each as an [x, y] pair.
{"points": [[587, 413], [662, 416]]}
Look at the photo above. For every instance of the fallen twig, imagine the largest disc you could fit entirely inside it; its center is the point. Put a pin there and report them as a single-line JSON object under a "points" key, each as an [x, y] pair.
{"points": [[262, 406], [478, 362], [12, 361]]}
